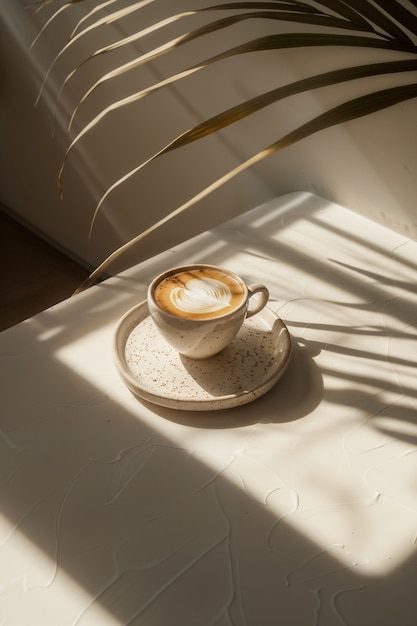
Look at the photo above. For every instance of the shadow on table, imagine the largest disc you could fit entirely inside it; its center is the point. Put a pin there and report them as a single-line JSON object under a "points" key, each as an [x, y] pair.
{"points": [[118, 512], [139, 519]]}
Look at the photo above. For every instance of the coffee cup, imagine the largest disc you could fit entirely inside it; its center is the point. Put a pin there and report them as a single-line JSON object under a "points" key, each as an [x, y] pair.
{"points": [[199, 309]]}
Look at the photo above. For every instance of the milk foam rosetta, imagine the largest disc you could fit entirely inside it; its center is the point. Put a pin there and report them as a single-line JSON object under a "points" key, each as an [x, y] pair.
{"points": [[200, 293]]}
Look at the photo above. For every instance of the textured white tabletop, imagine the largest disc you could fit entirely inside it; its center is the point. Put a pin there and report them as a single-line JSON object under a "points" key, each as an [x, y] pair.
{"points": [[299, 508]]}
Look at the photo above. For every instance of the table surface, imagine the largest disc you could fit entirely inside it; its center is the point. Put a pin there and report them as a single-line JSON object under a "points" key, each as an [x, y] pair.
{"points": [[298, 508]]}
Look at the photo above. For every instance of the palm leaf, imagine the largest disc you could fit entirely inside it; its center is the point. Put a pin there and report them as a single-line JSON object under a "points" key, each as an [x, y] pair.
{"points": [[292, 15], [237, 113], [301, 17], [402, 15], [382, 20], [342, 9], [348, 111], [88, 15], [270, 42], [110, 48], [378, 24], [108, 19], [310, 19], [63, 8]]}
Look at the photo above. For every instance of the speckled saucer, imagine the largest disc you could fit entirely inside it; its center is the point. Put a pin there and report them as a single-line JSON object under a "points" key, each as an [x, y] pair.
{"points": [[249, 367]]}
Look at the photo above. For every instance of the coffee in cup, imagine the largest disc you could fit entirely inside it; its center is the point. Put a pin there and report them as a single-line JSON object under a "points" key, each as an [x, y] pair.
{"points": [[200, 293], [200, 308]]}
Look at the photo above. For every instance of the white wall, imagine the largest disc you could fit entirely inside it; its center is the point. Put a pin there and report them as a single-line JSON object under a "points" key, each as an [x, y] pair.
{"points": [[369, 165]]}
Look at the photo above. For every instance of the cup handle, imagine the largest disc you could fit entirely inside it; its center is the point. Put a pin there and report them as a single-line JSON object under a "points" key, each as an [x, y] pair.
{"points": [[260, 302]]}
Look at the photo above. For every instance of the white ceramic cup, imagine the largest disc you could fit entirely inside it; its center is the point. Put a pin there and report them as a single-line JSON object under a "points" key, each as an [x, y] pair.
{"points": [[199, 308]]}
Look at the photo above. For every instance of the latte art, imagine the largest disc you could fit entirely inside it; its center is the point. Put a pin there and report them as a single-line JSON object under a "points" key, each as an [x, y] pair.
{"points": [[200, 293], [201, 296]]}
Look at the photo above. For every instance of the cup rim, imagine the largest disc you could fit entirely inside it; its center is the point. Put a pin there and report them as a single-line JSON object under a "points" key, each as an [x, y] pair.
{"points": [[184, 268]]}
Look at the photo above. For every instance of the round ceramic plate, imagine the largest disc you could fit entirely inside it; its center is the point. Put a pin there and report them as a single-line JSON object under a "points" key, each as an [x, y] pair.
{"points": [[245, 370]]}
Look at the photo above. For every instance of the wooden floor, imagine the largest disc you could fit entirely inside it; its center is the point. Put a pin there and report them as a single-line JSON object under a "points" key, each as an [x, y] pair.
{"points": [[33, 274]]}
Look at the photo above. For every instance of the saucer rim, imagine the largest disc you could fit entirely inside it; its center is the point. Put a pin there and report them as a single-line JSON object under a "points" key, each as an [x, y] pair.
{"points": [[138, 313]]}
